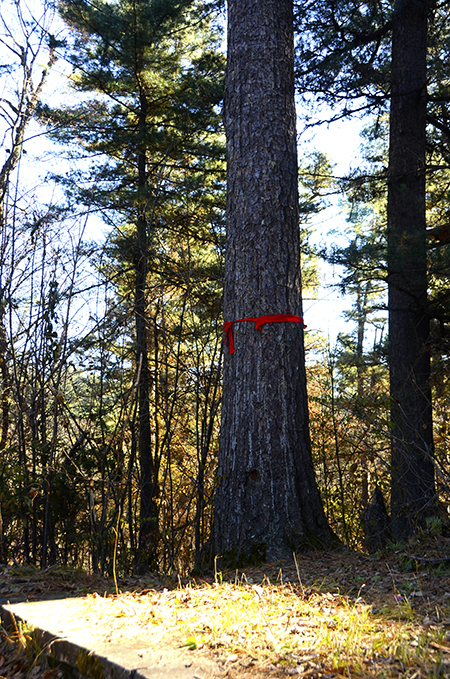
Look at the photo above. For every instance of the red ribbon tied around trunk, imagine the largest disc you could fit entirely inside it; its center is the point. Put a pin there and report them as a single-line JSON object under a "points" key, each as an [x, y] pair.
{"points": [[259, 321]]}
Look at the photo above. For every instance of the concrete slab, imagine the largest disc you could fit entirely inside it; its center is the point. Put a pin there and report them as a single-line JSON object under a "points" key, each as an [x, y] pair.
{"points": [[75, 633]]}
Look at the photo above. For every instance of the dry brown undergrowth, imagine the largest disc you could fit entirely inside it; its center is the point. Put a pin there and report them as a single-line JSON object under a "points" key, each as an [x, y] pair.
{"points": [[22, 657], [338, 614]]}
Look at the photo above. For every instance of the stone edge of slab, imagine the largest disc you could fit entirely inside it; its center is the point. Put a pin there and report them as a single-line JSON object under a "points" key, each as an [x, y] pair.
{"points": [[74, 655]]}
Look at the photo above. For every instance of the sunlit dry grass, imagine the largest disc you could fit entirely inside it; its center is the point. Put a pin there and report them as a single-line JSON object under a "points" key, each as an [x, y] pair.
{"points": [[297, 631]]}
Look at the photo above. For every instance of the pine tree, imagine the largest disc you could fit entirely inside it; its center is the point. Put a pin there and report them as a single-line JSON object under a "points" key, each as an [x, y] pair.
{"points": [[156, 77], [267, 502], [412, 466], [356, 42]]}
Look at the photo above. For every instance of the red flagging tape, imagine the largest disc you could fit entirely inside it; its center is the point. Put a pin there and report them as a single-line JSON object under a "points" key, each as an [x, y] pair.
{"points": [[276, 318]]}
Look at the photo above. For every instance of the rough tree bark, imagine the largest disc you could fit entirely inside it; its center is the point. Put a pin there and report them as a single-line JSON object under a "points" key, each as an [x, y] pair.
{"points": [[267, 502], [412, 486], [148, 485]]}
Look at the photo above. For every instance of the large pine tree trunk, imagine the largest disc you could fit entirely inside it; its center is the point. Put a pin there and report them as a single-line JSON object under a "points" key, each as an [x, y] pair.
{"points": [[267, 502], [412, 489]]}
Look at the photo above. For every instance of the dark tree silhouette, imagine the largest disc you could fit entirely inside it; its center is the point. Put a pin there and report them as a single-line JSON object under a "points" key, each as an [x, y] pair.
{"points": [[412, 468]]}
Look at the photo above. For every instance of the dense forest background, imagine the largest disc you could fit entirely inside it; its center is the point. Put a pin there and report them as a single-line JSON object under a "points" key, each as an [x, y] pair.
{"points": [[111, 267]]}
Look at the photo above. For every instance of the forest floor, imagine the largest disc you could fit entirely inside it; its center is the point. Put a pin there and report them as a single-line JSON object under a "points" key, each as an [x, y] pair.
{"points": [[324, 615]]}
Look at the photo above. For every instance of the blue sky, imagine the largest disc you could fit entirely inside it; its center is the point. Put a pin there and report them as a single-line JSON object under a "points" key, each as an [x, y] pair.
{"points": [[341, 141]]}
